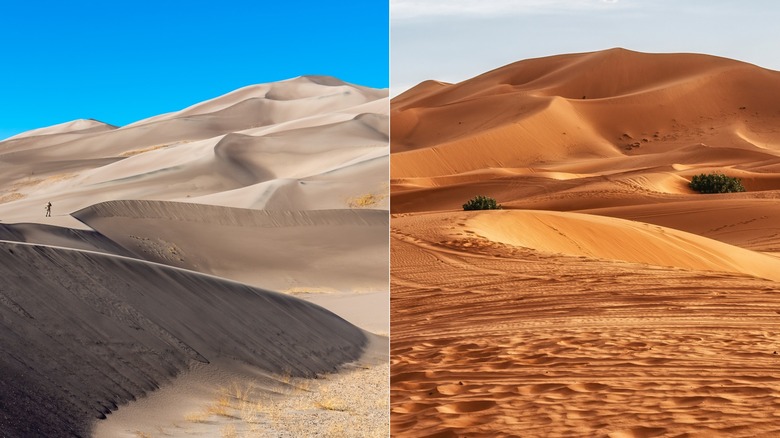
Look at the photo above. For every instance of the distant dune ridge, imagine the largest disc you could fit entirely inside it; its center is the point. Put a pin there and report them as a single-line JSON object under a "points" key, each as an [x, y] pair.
{"points": [[590, 155], [348, 247], [166, 238]]}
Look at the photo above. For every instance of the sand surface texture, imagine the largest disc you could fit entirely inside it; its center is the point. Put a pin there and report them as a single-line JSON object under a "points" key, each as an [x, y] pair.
{"points": [[606, 298], [145, 305]]}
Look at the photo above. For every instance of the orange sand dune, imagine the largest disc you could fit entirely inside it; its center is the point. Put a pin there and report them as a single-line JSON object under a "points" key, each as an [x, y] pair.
{"points": [[491, 339], [748, 223], [534, 111], [608, 299], [615, 239]]}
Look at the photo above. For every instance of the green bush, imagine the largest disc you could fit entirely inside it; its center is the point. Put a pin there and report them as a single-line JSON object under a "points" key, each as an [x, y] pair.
{"points": [[716, 183], [481, 203]]}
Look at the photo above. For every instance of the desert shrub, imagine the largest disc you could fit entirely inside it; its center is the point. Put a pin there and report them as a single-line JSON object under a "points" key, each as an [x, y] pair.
{"points": [[481, 203], [716, 183]]}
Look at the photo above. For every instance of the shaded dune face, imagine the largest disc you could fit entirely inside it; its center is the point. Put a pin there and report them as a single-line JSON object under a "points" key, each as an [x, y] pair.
{"points": [[89, 331], [608, 298]]}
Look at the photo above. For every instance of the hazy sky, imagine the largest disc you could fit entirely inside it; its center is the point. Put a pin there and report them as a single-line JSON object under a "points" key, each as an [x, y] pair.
{"points": [[121, 61], [453, 40]]}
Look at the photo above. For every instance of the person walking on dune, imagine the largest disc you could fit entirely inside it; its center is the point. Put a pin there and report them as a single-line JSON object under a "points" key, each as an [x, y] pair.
{"points": [[48, 209]]}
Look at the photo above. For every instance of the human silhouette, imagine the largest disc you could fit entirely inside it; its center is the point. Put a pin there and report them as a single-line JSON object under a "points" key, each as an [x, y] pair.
{"points": [[48, 209]]}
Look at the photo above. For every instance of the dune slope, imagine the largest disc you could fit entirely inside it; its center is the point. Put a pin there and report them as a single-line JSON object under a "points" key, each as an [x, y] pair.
{"points": [[90, 331], [615, 239], [335, 249]]}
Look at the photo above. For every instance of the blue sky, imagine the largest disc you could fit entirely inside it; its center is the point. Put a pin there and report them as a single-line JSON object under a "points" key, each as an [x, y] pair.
{"points": [[122, 61], [453, 40]]}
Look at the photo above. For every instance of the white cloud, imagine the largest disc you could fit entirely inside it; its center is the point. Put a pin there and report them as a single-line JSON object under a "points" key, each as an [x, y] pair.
{"points": [[408, 9]]}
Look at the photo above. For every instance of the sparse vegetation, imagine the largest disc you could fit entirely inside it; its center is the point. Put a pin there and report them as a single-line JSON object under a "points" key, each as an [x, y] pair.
{"points": [[148, 149], [363, 201], [263, 407], [481, 203], [332, 404], [229, 431], [200, 417], [716, 183]]}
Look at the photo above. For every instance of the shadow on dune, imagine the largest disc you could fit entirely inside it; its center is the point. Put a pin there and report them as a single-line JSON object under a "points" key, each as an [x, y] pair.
{"points": [[84, 332]]}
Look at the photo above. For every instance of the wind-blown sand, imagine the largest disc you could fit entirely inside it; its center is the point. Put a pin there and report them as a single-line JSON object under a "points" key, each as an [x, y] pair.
{"points": [[607, 298], [144, 305]]}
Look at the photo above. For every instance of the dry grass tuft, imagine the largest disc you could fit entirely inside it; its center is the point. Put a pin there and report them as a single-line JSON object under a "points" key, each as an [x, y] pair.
{"points": [[284, 404], [229, 431], [219, 410], [10, 197], [332, 404], [142, 150], [250, 412], [22, 187], [197, 417], [367, 200]]}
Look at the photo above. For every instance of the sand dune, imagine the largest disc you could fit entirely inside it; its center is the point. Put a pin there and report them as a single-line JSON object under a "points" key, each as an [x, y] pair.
{"points": [[614, 239], [747, 223], [89, 332], [610, 299], [89, 240], [492, 339], [474, 124], [281, 186], [80, 126], [307, 155], [338, 250]]}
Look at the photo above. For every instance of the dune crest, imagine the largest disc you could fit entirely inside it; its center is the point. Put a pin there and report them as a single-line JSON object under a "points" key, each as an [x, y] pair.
{"points": [[76, 126]]}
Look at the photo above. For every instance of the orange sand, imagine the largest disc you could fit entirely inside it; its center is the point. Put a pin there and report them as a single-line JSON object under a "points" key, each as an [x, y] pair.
{"points": [[608, 299]]}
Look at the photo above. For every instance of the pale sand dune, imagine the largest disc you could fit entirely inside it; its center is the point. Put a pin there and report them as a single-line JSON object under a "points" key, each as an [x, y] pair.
{"points": [[318, 161], [87, 332], [566, 320], [281, 184], [342, 250], [80, 126]]}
